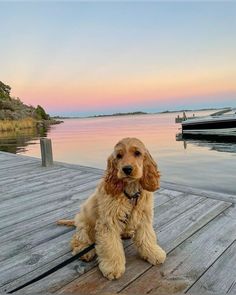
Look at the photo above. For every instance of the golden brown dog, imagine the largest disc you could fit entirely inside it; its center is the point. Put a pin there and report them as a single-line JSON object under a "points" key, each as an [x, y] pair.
{"points": [[122, 205]]}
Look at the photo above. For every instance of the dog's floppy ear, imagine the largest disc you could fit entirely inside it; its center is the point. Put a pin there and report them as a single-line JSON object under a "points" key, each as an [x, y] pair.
{"points": [[112, 185], [150, 180]]}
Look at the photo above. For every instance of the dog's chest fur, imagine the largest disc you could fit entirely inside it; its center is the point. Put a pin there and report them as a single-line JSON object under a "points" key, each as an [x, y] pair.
{"points": [[131, 210], [117, 212]]}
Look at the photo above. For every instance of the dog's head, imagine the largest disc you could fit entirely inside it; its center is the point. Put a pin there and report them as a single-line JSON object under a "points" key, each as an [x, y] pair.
{"points": [[129, 162]]}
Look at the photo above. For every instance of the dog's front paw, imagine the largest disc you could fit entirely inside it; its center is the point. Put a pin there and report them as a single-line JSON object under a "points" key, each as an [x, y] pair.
{"points": [[156, 256], [111, 271]]}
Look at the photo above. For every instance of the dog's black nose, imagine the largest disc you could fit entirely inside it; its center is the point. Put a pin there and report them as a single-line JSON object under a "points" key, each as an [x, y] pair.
{"points": [[127, 169]]}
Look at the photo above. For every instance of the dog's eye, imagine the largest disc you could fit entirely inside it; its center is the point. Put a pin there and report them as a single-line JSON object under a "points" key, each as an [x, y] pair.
{"points": [[137, 153], [119, 156]]}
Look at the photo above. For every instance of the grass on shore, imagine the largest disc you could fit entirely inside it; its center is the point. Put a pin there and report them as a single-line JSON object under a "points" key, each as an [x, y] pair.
{"points": [[14, 125]]}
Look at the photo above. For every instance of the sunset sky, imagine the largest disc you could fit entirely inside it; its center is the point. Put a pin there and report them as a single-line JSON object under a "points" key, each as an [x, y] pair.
{"points": [[85, 58]]}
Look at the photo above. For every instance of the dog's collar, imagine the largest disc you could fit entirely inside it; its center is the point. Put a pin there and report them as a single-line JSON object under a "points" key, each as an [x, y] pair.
{"points": [[133, 198]]}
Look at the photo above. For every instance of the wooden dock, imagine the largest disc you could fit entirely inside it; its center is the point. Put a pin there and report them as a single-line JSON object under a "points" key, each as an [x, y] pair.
{"points": [[196, 228]]}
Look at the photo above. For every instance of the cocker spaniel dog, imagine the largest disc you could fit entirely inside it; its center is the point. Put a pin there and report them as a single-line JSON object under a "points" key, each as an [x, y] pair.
{"points": [[121, 206]]}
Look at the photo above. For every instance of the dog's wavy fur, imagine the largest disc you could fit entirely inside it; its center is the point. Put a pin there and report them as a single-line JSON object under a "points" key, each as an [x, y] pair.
{"points": [[108, 215]]}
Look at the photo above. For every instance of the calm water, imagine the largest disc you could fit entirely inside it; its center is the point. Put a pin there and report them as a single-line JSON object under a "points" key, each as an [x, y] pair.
{"points": [[202, 164]]}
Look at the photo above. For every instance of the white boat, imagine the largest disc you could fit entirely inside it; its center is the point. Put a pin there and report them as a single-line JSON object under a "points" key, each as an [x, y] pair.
{"points": [[218, 123]]}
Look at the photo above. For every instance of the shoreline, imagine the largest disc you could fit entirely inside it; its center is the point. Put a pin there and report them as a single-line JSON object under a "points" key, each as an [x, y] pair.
{"points": [[137, 113], [27, 123]]}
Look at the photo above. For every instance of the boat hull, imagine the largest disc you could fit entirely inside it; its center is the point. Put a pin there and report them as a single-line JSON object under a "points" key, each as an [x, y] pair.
{"points": [[214, 127], [231, 131]]}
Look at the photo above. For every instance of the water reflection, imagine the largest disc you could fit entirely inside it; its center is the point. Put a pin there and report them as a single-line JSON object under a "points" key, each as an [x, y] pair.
{"points": [[212, 142], [17, 141], [89, 142]]}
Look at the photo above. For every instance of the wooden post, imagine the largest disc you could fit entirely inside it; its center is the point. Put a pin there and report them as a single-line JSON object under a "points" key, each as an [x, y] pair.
{"points": [[46, 152]]}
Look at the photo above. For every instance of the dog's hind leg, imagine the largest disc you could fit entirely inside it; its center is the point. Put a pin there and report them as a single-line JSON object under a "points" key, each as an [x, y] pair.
{"points": [[82, 239]]}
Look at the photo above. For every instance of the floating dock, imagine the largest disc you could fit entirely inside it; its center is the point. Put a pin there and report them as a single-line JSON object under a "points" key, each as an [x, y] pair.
{"points": [[197, 229]]}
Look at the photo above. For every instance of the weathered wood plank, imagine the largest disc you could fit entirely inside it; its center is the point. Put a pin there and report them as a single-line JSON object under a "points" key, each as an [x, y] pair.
{"points": [[176, 206], [24, 202], [14, 157], [4, 159], [25, 262], [191, 221], [194, 191], [171, 193], [13, 164], [37, 162], [24, 197], [81, 167], [186, 263], [37, 166], [162, 199], [36, 222], [68, 211], [75, 268], [18, 156], [17, 171], [32, 185], [135, 267], [31, 174], [28, 241], [48, 188], [30, 202], [9, 248], [35, 182], [39, 255], [39, 210], [220, 278], [178, 219]]}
